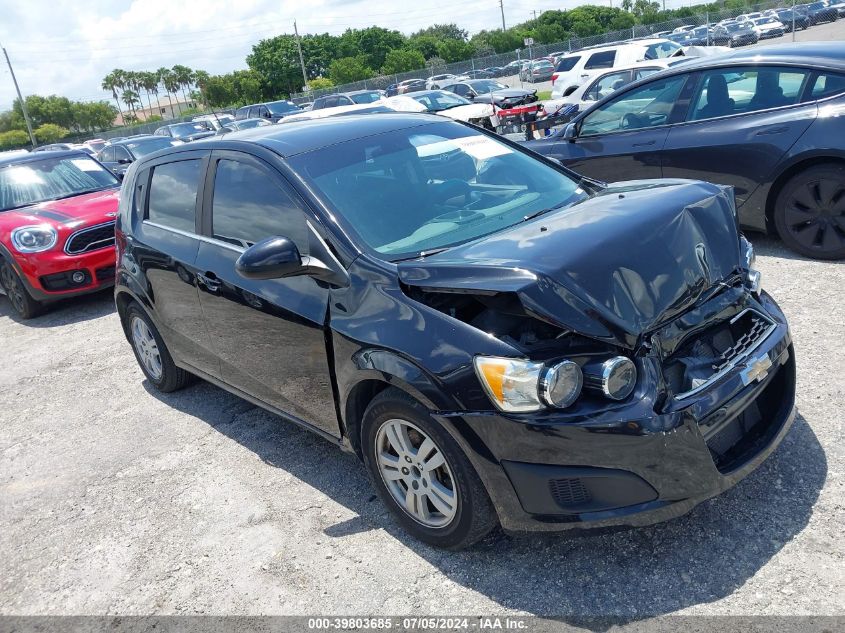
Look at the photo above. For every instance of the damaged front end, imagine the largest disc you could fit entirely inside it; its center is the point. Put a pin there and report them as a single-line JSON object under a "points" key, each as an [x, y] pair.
{"points": [[642, 302]]}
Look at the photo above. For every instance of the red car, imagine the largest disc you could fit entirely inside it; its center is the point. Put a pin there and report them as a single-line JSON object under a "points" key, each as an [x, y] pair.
{"points": [[57, 212]]}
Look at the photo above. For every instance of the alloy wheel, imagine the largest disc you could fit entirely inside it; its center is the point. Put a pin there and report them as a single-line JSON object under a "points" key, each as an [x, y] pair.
{"points": [[147, 348], [416, 473], [815, 214], [13, 287]]}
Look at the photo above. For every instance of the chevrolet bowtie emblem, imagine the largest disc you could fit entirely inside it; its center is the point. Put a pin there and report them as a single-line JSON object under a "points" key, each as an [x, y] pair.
{"points": [[756, 370]]}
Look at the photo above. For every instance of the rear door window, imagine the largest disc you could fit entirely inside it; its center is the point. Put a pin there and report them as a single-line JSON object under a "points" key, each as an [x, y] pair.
{"points": [[172, 197], [603, 59], [607, 85], [107, 155]]}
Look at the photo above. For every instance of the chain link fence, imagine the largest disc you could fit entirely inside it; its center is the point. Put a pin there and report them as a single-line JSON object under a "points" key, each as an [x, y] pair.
{"points": [[639, 31]]}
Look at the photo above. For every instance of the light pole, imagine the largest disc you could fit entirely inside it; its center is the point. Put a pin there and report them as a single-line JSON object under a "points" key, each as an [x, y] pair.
{"points": [[20, 100]]}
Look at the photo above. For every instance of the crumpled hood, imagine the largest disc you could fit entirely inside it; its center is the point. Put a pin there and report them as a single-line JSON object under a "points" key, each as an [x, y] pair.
{"points": [[612, 267], [468, 112]]}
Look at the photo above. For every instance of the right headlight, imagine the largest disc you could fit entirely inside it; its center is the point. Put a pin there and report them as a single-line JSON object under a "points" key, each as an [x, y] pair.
{"points": [[520, 386], [34, 239], [753, 277]]}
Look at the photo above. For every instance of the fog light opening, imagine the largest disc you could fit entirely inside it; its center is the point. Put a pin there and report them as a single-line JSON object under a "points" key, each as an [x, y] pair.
{"points": [[78, 277]]}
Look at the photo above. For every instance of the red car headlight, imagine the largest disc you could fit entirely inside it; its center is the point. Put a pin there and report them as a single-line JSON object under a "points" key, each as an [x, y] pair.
{"points": [[34, 239]]}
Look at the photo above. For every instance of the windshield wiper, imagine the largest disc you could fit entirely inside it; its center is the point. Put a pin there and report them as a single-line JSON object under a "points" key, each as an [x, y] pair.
{"points": [[421, 255]]}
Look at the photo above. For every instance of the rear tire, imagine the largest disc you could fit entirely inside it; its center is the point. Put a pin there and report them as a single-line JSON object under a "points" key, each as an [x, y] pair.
{"points": [[810, 212], [151, 352], [22, 302], [410, 457]]}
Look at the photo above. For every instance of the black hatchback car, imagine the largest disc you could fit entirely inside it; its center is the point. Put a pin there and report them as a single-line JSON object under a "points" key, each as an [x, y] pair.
{"points": [[498, 339], [765, 121]]}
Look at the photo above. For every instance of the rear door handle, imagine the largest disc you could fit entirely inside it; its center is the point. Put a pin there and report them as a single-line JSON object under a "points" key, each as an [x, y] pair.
{"points": [[210, 281], [772, 130], [644, 143]]}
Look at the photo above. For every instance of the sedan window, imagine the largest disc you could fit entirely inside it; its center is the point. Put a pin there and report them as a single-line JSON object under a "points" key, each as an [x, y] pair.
{"points": [[173, 194], [604, 59], [741, 90], [827, 85], [647, 106]]}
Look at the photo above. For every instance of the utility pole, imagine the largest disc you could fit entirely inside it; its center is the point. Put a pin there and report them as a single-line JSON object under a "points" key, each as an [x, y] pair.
{"points": [[301, 61], [502, 8], [20, 99], [535, 14]]}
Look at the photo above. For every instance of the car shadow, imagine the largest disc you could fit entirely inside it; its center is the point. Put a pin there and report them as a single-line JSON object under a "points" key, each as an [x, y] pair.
{"points": [[66, 311], [770, 246], [624, 575]]}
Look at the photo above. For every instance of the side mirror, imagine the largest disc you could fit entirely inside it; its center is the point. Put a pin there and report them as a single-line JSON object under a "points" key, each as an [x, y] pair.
{"points": [[272, 258], [124, 161], [119, 175], [570, 132]]}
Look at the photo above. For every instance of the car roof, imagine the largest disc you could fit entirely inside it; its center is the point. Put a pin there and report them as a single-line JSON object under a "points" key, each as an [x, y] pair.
{"points": [[35, 156], [820, 54], [136, 139], [359, 92], [298, 137]]}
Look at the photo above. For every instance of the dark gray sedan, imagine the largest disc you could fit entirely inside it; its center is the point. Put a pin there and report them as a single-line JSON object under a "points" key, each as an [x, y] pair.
{"points": [[765, 122], [119, 155]]}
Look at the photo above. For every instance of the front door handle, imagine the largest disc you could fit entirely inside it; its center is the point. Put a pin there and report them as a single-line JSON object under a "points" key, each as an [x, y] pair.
{"points": [[772, 130], [644, 143], [210, 281]]}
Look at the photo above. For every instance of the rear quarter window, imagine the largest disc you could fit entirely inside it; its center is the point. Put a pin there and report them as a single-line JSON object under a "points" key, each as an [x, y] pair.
{"points": [[605, 59], [567, 63], [828, 85]]}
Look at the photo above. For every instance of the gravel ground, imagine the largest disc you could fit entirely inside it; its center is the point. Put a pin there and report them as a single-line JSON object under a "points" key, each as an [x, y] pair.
{"points": [[117, 500]]}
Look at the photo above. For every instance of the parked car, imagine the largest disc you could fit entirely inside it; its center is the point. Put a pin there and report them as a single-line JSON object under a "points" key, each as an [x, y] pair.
{"points": [[186, 132], [537, 70], [54, 147], [738, 34], [477, 73], [514, 67], [273, 111], [451, 105], [491, 91], [787, 17], [118, 156], [573, 69], [57, 214], [95, 143], [768, 27], [408, 85], [819, 12], [81, 147], [216, 121], [358, 108], [499, 340], [839, 5], [357, 97], [754, 120], [496, 71], [306, 106], [748, 17], [436, 81], [243, 124]]}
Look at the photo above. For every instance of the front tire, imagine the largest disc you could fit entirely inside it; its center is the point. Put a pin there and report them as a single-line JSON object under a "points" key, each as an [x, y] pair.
{"points": [[422, 475], [23, 303], [151, 352], [810, 212]]}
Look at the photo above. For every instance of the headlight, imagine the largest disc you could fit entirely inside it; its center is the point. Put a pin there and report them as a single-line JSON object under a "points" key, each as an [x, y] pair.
{"points": [[512, 384], [560, 385], [615, 377], [34, 239], [753, 278]]}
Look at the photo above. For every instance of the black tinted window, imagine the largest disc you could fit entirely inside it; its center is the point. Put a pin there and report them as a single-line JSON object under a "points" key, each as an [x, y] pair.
{"points": [[107, 155], [248, 207], [173, 194], [601, 60], [567, 63]]}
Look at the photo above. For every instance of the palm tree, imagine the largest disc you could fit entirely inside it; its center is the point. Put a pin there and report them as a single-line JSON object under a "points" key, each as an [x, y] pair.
{"points": [[183, 76], [112, 82], [164, 77], [171, 84], [132, 84], [131, 98], [201, 81], [149, 82]]}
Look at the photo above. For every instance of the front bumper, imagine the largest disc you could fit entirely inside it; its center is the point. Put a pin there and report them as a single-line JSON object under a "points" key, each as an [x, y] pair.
{"points": [[48, 276], [634, 463]]}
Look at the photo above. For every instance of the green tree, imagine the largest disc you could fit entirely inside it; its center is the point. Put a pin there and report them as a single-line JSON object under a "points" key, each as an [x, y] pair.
{"points": [[443, 32], [13, 139], [201, 80], [320, 83], [112, 83], [373, 43], [50, 133], [276, 63], [348, 69], [401, 60], [183, 77], [425, 44], [455, 50], [166, 81]]}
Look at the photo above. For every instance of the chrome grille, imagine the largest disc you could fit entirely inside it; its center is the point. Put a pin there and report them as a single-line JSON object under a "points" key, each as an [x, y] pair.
{"points": [[91, 239]]}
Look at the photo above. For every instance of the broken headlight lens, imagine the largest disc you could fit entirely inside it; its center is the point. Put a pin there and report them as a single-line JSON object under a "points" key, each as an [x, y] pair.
{"points": [[512, 384], [752, 275]]}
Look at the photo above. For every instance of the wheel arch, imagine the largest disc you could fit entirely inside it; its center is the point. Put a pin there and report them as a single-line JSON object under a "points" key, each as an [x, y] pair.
{"points": [[793, 169]]}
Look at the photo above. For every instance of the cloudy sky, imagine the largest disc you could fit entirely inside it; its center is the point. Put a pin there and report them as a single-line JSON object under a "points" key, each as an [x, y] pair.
{"points": [[66, 47]]}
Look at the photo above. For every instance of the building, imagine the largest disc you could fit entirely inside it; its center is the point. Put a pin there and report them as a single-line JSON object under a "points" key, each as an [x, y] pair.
{"points": [[163, 107]]}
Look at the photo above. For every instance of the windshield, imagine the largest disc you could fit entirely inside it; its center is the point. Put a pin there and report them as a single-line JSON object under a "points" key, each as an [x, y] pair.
{"points": [[366, 97], [764, 21], [437, 101], [36, 181], [186, 129], [486, 85], [142, 148], [661, 50], [280, 107], [427, 187]]}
